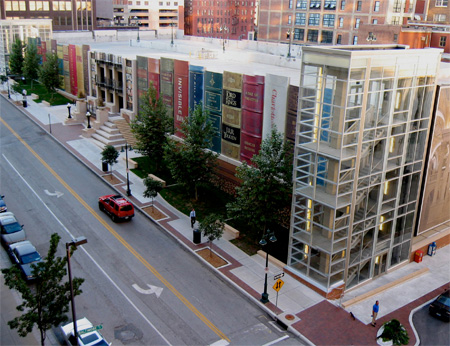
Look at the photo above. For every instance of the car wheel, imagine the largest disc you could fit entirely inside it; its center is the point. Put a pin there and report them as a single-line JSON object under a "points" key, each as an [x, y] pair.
{"points": [[113, 218], [100, 206]]}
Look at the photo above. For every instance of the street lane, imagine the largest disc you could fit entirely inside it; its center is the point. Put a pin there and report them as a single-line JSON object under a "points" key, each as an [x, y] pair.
{"points": [[195, 306]]}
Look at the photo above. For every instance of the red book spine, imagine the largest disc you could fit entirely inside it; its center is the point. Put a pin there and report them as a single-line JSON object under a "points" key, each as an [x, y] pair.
{"points": [[252, 116], [73, 69], [153, 74], [181, 94]]}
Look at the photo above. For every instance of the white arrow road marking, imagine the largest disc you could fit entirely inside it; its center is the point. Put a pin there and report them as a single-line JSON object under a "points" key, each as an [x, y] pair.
{"points": [[56, 193], [153, 289]]}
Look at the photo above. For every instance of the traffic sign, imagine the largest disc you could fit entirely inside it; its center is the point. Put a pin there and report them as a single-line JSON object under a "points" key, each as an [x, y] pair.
{"points": [[84, 331], [278, 285], [278, 276]]}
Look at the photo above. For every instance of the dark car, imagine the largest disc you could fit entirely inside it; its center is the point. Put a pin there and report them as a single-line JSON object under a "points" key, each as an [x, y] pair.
{"points": [[3, 208], [441, 306], [24, 255]]}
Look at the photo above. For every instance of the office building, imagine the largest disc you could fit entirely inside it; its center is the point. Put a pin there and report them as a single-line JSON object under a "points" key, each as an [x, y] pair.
{"points": [[363, 124]]}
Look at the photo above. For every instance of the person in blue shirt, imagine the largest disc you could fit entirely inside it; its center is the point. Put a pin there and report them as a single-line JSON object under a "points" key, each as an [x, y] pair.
{"points": [[192, 215], [375, 309]]}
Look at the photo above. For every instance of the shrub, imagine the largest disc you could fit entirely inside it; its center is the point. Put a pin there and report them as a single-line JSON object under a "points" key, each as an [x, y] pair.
{"points": [[393, 330]]}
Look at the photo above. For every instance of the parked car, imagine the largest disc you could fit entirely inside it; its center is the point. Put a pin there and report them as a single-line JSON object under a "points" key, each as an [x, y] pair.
{"points": [[3, 208], [11, 230], [87, 335], [117, 207], [441, 306], [24, 255]]}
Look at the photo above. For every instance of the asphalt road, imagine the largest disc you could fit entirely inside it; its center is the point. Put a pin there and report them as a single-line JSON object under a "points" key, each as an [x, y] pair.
{"points": [[140, 284], [432, 331]]}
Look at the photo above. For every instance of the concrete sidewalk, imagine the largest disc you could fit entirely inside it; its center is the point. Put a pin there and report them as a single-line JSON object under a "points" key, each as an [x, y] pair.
{"points": [[299, 308]]}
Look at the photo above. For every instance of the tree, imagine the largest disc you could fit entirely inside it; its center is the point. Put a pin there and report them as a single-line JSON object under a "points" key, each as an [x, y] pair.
{"points": [[393, 330], [190, 162], [266, 185], [153, 187], [49, 73], [110, 155], [16, 57], [212, 227], [47, 302], [31, 63], [151, 126]]}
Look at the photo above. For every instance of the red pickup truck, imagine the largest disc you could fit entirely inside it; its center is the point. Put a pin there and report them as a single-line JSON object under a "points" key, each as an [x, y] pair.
{"points": [[117, 207]]}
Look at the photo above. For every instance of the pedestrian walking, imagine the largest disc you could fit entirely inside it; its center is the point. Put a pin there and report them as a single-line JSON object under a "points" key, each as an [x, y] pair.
{"points": [[375, 309], [192, 217]]}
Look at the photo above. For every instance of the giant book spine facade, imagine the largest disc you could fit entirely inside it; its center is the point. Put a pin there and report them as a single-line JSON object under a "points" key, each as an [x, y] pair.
{"points": [[213, 104], [181, 94], [166, 85]]}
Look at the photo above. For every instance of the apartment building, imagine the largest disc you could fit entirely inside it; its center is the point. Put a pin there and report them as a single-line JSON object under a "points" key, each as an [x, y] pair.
{"points": [[65, 15], [223, 19], [362, 132], [152, 14], [329, 22]]}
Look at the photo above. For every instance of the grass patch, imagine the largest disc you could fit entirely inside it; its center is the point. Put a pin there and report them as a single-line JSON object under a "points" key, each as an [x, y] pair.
{"points": [[38, 89]]}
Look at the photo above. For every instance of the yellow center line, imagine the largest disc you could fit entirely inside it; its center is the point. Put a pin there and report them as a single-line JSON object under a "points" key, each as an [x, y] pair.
{"points": [[120, 239]]}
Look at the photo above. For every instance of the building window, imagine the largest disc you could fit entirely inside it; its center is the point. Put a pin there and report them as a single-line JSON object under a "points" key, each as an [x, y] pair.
{"points": [[160, 3], [357, 22], [355, 40], [301, 4], [342, 5], [397, 6], [299, 34], [376, 7], [314, 19], [375, 21], [442, 41], [329, 4], [313, 35], [358, 6], [395, 37], [290, 3], [315, 4], [328, 20], [395, 20], [339, 39], [441, 3], [327, 37], [439, 17], [300, 18]]}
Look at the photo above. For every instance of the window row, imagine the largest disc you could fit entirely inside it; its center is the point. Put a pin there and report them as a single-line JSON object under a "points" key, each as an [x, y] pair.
{"points": [[313, 35]]}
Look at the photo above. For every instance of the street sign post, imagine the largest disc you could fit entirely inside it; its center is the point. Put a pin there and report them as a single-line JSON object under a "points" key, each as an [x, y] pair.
{"points": [[278, 276], [84, 331], [277, 287]]}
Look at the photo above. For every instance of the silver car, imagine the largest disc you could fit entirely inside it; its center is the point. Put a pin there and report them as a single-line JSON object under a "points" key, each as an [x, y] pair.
{"points": [[11, 230], [25, 256]]}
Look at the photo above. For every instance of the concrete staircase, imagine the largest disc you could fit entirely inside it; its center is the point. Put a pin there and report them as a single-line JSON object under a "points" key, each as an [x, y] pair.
{"points": [[109, 134], [125, 130]]}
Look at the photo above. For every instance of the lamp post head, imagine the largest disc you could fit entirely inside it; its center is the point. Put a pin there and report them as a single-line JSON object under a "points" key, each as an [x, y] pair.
{"points": [[69, 105], [88, 114], [76, 242], [263, 242]]}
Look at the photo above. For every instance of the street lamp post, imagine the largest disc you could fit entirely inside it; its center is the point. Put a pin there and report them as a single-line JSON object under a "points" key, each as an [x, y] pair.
{"points": [[68, 109], [128, 171], [75, 242], [9, 90], [88, 116], [223, 29], [263, 242], [171, 41], [288, 36]]}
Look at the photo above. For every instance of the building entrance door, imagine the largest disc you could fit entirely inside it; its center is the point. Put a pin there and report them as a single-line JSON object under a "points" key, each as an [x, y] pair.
{"points": [[380, 264]]}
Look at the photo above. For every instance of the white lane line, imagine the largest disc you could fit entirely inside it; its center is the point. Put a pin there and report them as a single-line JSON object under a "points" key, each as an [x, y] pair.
{"points": [[276, 341], [221, 342], [275, 325], [93, 260]]}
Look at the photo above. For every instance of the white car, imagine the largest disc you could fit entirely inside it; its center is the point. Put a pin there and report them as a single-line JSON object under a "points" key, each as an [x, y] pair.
{"points": [[11, 230], [87, 335]]}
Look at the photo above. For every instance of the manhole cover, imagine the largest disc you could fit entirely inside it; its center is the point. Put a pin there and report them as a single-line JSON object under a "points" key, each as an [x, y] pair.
{"points": [[289, 317], [127, 334]]}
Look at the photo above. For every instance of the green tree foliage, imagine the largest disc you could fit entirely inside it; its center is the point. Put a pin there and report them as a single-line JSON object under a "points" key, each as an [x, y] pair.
{"points": [[46, 303], [16, 57], [31, 63], [393, 330], [212, 227], [151, 126], [110, 155], [152, 188], [266, 186], [49, 73], [189, 161]]}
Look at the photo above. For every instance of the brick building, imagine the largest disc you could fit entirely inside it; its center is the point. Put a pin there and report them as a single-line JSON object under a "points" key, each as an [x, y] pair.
{"points": [[225, 19], [66, 15], [333, 21]]}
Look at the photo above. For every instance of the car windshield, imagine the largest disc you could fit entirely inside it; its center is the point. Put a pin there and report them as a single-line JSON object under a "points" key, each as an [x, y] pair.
{"points": [[12, 228], [444, 300], [31, 257], [94, 337]]}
